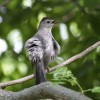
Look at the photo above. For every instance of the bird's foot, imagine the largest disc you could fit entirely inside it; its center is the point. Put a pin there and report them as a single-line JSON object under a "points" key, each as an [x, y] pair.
{"points": [[48, 69]]}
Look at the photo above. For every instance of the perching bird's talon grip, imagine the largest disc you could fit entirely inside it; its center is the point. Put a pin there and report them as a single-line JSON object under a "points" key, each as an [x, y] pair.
{"points": [[48, 69]]}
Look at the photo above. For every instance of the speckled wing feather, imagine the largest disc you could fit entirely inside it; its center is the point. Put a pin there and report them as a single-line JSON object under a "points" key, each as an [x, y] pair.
{"points": [[35, 49]]}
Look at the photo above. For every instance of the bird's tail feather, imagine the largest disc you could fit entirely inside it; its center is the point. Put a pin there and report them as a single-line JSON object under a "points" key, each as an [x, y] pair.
{"points": [[39, 72]]}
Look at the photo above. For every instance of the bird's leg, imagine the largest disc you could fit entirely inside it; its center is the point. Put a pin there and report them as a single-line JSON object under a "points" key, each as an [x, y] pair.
{"points": [[48, 69]]}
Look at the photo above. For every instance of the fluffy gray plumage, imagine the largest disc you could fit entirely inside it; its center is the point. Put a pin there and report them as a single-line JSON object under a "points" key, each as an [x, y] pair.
{"points": [[42, 48]]}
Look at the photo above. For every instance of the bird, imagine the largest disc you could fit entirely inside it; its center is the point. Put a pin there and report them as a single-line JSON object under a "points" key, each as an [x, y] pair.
{"points": [[42, 48]]}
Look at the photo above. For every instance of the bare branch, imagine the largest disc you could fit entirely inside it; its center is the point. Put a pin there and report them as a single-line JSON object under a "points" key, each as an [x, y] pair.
{"points": [[45, 90], [76, 57], [18, 81]]}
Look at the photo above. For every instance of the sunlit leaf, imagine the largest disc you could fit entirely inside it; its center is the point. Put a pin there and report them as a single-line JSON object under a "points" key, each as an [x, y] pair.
{"points": [[96, 89]]}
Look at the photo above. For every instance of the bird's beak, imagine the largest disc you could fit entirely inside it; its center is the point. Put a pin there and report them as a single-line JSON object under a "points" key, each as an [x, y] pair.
{"points": [[55, 21]]}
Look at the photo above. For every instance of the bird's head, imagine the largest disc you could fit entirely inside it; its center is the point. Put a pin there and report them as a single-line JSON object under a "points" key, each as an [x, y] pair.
{"points": [[47, 23]]}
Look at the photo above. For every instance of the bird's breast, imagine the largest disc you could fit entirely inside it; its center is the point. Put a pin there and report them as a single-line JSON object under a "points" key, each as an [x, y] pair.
{"points": [[48, 49]]}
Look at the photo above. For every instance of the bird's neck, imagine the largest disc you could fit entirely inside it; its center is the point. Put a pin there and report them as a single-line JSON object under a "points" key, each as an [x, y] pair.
{"points": [[45, 31]]}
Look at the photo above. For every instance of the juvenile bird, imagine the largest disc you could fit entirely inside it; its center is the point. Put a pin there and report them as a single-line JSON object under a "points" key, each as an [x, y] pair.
{"points": [[42, 48]]}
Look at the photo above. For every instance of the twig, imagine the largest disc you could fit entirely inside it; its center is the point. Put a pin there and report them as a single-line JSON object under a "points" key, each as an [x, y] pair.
{"points": [[18, 81], [76, 57]]}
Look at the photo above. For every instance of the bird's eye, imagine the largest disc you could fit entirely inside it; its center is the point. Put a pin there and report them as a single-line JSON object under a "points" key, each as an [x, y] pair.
{"points": [[48, 21]]}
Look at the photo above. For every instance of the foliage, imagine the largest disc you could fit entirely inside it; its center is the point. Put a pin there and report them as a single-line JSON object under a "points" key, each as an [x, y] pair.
{"points": [[96, 89], [63, 75], [79, 28]]}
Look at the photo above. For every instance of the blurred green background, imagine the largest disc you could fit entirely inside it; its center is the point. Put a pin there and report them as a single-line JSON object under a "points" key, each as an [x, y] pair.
{"points": [[79, 29]]}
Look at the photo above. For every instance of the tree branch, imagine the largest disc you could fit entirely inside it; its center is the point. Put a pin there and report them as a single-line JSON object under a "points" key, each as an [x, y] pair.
{"points": [[43, 91], [76, 57]]}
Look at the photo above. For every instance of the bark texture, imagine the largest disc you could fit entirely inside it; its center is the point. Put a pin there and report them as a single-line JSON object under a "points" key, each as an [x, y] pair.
{"points": [[43, 91]]}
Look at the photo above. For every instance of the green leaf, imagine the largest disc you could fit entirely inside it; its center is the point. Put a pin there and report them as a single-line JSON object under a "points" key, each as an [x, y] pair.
{"points": [[96, 89], [64, 75]]}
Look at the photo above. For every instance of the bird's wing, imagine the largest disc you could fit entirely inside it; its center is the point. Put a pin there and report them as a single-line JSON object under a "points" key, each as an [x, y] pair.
{"points": [[56, 46], [35, 49]]}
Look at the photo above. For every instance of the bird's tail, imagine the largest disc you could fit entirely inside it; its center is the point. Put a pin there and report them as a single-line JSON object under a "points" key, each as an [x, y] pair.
{"points": [[39, 72]]}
